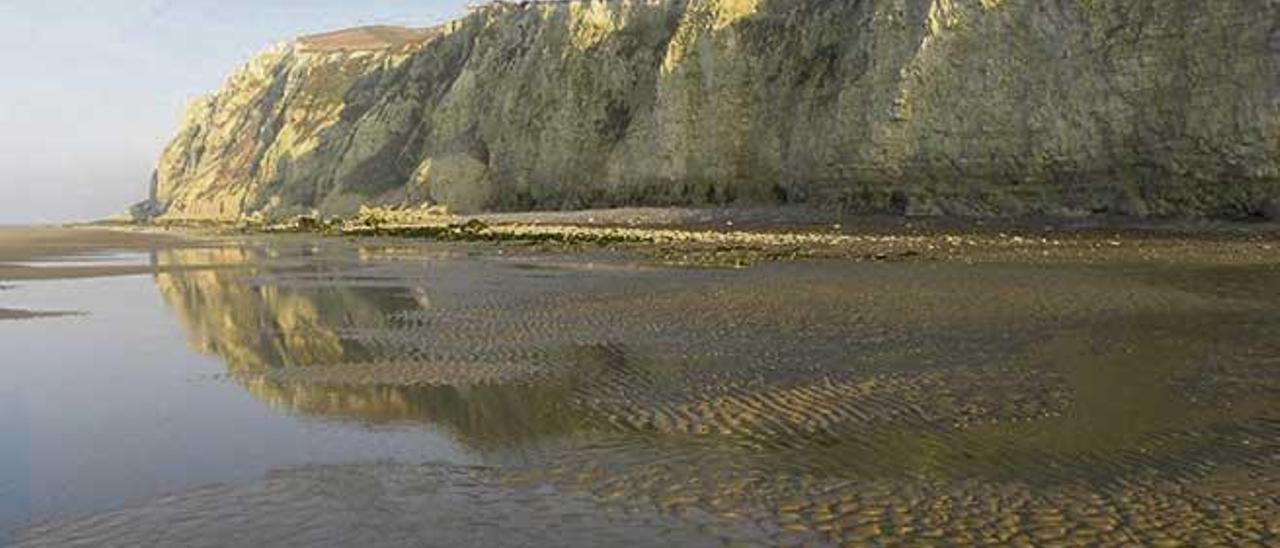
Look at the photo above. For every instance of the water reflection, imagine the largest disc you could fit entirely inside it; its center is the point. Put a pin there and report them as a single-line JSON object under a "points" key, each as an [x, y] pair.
{"points": [[837, 402], [285, 317], [845, 370], [259, 327]]}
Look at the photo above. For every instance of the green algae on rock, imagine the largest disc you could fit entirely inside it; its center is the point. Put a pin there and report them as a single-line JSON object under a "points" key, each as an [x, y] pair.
{"points": [[922, 107]]}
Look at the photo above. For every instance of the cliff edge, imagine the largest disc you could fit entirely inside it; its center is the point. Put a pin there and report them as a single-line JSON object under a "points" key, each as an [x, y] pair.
{"points": [[961, 107]]}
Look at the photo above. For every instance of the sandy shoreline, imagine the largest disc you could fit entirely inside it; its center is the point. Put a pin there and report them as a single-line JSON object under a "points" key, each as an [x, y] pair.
{"points": [[27, 243], [696, 237], [19, 245], [13, 314]]}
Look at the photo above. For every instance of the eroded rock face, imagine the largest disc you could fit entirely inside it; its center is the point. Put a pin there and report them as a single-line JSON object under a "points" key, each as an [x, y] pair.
{"points": [[1271, 209], [970, 107]]}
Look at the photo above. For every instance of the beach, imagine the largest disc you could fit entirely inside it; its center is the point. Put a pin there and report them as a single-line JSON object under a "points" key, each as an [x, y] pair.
{"points": [[572, 382]]}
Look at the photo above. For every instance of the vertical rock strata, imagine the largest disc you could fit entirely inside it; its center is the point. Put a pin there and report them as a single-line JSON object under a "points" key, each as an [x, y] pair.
{"points": [[966, 107]]}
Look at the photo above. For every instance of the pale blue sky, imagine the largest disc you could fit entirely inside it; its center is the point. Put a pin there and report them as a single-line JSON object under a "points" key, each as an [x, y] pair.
{"points": [[90, 90]]}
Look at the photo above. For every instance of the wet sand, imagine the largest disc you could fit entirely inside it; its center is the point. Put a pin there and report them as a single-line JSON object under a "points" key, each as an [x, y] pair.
{"points": [[86, 252], [20, 245], [1083, 389], [9, 314]]}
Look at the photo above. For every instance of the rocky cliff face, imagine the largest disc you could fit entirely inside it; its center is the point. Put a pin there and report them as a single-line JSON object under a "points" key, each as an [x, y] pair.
{"points": [[970, 107]]}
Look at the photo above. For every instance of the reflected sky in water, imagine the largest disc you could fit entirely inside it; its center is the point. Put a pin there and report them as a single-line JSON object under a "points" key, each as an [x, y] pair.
{"points": [[116, 405]]}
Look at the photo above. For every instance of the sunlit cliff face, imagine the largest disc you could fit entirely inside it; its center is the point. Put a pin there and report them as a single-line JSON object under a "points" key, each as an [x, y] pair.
{"points": [[962, 107]]}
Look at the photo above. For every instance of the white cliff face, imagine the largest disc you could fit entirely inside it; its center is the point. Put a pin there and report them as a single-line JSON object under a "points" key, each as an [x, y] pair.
{"points": [[970, 107]]}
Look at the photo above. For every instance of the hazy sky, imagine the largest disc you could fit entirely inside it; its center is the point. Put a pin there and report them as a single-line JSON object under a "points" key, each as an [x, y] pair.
{"points": [[90, 90]]}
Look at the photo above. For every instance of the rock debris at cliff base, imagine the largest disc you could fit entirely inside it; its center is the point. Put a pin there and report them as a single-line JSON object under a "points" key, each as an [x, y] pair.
{"points": [[735, 237]]}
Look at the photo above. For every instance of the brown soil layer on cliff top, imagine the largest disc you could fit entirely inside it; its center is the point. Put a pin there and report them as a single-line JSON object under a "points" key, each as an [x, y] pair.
{"points": [[366, 38]]}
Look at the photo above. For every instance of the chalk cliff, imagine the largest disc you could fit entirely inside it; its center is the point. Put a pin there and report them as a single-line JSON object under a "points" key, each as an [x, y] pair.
{"points": [[966, 107]]}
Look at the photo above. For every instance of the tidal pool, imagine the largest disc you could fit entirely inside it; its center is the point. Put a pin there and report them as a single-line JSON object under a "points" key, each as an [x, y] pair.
{"points": [[301, 391]]}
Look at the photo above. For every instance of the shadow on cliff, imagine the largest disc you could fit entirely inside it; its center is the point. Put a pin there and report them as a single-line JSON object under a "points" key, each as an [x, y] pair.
{"points": [[1020, 108], [332, 169]]}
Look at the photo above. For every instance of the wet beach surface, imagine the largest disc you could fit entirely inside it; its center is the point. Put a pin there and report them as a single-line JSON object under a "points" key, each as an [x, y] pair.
{"points": [[389, 392]]}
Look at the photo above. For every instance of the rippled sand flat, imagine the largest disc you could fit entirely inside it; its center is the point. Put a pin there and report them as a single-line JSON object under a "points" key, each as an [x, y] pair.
{"points": [[374, 505], [612, 399]]}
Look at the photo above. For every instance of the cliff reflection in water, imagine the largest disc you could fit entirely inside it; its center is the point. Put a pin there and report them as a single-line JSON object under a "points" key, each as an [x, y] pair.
{"points": [[256, 327], [284, 320], [859, 370]]}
